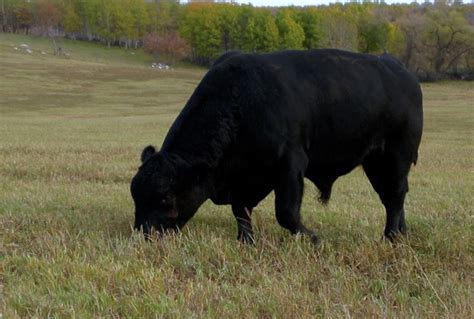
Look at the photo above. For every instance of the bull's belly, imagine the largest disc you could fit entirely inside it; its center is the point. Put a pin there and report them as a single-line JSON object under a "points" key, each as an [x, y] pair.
{"points": [[336, 160], [328, 173], [247, 186]]}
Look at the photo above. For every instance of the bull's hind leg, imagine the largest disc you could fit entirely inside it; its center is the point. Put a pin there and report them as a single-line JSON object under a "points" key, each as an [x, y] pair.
{"points": [[288, 196], [244, 223], [388, 174]]}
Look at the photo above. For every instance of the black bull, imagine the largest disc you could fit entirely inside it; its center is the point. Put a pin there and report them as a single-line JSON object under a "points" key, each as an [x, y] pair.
{"points": [[263, 122]]}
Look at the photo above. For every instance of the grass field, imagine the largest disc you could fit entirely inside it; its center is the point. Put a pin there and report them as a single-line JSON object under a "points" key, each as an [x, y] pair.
{"points": [[71, 131]]}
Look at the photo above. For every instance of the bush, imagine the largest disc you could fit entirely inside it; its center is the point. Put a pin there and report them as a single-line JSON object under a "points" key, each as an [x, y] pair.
{"points": [[169, 44]]}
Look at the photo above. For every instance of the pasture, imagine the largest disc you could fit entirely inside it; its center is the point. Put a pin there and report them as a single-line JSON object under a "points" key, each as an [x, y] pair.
{"points": [[71, 132]]}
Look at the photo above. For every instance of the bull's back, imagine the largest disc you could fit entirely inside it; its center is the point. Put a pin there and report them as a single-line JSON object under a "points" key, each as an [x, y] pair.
{"points": [[336, 106]]}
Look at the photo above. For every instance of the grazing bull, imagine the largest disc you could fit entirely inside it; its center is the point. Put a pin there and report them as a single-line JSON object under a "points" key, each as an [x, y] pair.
{"points": [[263, 122]]}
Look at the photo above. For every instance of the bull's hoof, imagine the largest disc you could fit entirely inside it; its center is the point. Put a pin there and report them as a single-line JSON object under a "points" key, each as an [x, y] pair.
{"points": [[403, 230], [246, 238], [394, 236], [314, 240], [311, 235]]}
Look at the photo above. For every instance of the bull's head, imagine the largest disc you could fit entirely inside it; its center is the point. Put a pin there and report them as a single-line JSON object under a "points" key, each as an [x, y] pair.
{"points": [[166, 192]]}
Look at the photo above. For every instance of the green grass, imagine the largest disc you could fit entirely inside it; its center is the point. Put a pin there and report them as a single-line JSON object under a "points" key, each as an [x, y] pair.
{"points": [[71, 134]]}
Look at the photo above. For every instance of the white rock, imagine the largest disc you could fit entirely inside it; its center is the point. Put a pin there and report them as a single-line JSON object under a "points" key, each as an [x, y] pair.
{"points": [[160, 66]]}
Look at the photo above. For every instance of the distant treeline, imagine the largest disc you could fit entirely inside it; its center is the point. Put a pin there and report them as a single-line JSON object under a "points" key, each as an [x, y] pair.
{"points": [[433, 40]]}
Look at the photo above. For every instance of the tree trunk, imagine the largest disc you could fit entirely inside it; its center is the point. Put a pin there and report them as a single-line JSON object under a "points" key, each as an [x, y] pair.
{"points": [[439, 61], [55, 47], [407, 55], [4, 16]]}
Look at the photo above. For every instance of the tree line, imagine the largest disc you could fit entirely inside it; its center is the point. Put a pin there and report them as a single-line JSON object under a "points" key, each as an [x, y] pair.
{"points": [[433, 40]]}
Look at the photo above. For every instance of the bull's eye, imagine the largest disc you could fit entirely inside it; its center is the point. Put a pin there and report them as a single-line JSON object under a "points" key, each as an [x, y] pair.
{"points": [[165, 203]]}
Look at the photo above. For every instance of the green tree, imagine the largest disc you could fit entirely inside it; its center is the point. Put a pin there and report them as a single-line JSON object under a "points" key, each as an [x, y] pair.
{"points": [[410, 25], [48, 17], [140, 20], [339, 29], [228, 25], [310, 20], [243, 35], [164, 15], [79, 18], [447, 36], [114, 21], [72, 21], [200, 28], [22, 16], [16, 14], [395, 40], [4, 15], [104, 19], [373, 33], [291, 33], [266, 36]]}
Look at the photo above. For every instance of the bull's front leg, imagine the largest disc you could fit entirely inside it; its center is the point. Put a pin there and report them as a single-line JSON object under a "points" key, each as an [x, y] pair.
{"points": [[243, 216], [289, 194]]}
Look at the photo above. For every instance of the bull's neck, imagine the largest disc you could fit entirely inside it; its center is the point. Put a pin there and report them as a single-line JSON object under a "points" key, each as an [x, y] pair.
{"points": [[202, 133]]}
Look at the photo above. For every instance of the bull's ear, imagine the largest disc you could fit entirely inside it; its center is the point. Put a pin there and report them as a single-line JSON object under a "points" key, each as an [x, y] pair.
{"points": [[147, 153]]}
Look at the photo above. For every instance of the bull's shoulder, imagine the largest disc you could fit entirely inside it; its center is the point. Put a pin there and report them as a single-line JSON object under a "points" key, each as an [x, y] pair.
{"points": [[390, 59], [226, 56]]}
